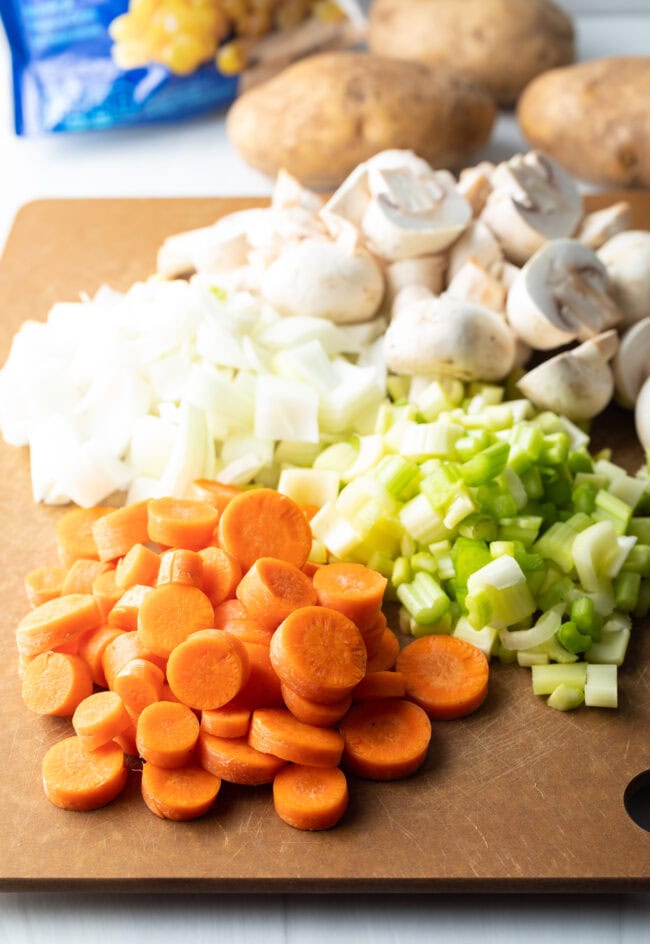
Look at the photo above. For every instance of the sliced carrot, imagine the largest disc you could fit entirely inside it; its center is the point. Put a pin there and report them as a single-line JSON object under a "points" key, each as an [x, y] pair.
{"points": [[181, 794], [373, 635], [379, 685], [228, 610], [171, 613], [272, 589], [352, 589], [313, 712], [319, 653], [234, 760], [262, 689], [139, 683], [226, 722], [57, 622], [167, 694], [167, 733], [43, 584], [76, 779], [446, 676], [138, 566], [117, 532], [54, 683], [91, 650], [124, 614], [276, 731], [385, 656], [179, 522], [310, 567], [264, 523], [208, 669], [123, 648], [100, 718], [248, 630], [310, 797], [126, 740], [180, 566], [81, 575], [385, 740], [217, 494], [106, 592], [75, 536], [221, 574]]}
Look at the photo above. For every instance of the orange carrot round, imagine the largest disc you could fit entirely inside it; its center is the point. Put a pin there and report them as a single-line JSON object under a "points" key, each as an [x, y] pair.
{"points": [[57, 622], [446, 676], [352, 589], [319, 653], [208, 669], [228, 610], [272, 589], [123, 648], [313, 712], [262, 688], [373, 635], [181, 566], [217, 494], [54, 683], [310, 797], [139, 565], [171, 613], [249, 630], [82, 575], [386, 653], [100, 718], [179, 794], [264, 523], [91, 649], [75, 536], [166, 734], [76, 779], [178, 522], [139, 683], [234, 760], [106, 592], [276, 731], [126, 740], [124, 613], [385, 740], [116, 533], [221, 574], [226, 722], [379, 685], [43, 584]]}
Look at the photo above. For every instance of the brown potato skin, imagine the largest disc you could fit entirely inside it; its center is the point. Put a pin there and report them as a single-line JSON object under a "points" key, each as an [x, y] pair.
{"points": [[325, 114], [501, 43], [594, 119]]}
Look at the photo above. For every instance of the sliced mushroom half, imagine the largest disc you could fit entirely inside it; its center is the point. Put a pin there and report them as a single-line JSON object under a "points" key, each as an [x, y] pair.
{"points": [[450, 337], [425, 270], [632, 363], [601, 225], [475, 284], [560, 295], [578, 383], [626, 257], [532, 200], [478, 243]]}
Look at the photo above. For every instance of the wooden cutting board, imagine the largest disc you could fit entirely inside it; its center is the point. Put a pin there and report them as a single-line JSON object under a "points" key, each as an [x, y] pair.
{"points": [[515, 797]]}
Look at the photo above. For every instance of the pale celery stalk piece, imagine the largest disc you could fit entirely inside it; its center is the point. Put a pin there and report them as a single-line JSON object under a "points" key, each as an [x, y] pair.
{"points": [[484, 639], [565, 698], [309, 486], [546, 678], [545, 628], [611, 648], [529, 659], [601, 686]]}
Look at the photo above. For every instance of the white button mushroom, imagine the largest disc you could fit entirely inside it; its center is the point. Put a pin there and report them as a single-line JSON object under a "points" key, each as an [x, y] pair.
{"points": [[478, 243], [473, 283], [578, 383], [632, 363], [626, 257], [475, 184], [532, 200], [642, 415], [425, 270], [320, 279], [449, 337], [206, 249], [601, 225], [560, 295]]}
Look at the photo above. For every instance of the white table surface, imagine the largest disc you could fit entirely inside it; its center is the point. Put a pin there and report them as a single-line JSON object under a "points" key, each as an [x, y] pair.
{"points": [[189, 160]]}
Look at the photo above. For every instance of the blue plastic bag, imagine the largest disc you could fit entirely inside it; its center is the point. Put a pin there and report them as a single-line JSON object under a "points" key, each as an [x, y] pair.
{"points": [[64, 78]]}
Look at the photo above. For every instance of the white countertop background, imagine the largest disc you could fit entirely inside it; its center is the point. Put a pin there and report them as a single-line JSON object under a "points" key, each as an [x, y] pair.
{"points": [[193, 159]]}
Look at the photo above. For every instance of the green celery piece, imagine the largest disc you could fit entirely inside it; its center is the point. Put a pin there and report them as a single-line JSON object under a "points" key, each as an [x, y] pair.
{"points": [[532, 482], [557, 652], [469, 556], [399, 477], [545, 678], [424, 599], [402, 572], [584, 498], [640, 528], [500, 608], [443, 627], [441, 484], [583, 614], [574, 641], [479, 528], [486, 465], [580, 462], [555, 450], [626, 590], [638, 560], [566, 698], [381, 563], [611, 508], [611, 649], [523, 528], [558, 492], [557, 593], [505, 656], [423, 561]]}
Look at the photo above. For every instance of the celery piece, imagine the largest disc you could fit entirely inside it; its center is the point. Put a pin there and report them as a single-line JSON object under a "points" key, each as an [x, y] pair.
{"points": [[565, 698], [583, 614], [524, 528], [640, 528], [626, 590], [498, 595], [484, 639], [398, 476], [421, 521], [532, 482], [556, 652], [423, 561], [486, 465], [398, 387], [442, 627], [547, 677], [572, 639], [441, 483], [583, 498], [601, 686], [446, 569], [499, 548], [478, 528], [471, 444], [533, 638], [334, 531], [381, 563], [638, 560], [558, 492], [468, 556], [555, 450], [401, 572], [610, 508], [611, 649], [528, 658], [580, 462], [556, 544], [459, 508], [318, 553], [558, 592], [424, 598], [337, 457], [505, 656]]}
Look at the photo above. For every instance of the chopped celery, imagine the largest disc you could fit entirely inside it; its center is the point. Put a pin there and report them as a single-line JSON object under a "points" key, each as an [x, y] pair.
{"points": [[485, 465], [638, 560], [566, 698], [484, 639], [338, 457], [601, 686], [547, 677], [640, 528], [585, 618], [528, 658], [569, 636], [610, 508], [522, 639], [424, 598], [399, 477], [401, 572], [498, 594], [423, 561], [611, 648], [626, 590], [442, 627]]}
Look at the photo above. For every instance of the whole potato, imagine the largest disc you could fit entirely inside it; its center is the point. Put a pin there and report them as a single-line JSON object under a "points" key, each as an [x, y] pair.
{"points": [[501, 43], [594, 119], [325, 114]]}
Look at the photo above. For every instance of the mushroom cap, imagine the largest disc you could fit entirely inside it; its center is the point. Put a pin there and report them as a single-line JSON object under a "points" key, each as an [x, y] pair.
{"points": [[626, 257], [478, 243], [632, 363], [599, 226], [642, 415], [424, 270], [577, 384], [321, 279], [560, 295], [449, 337]]}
